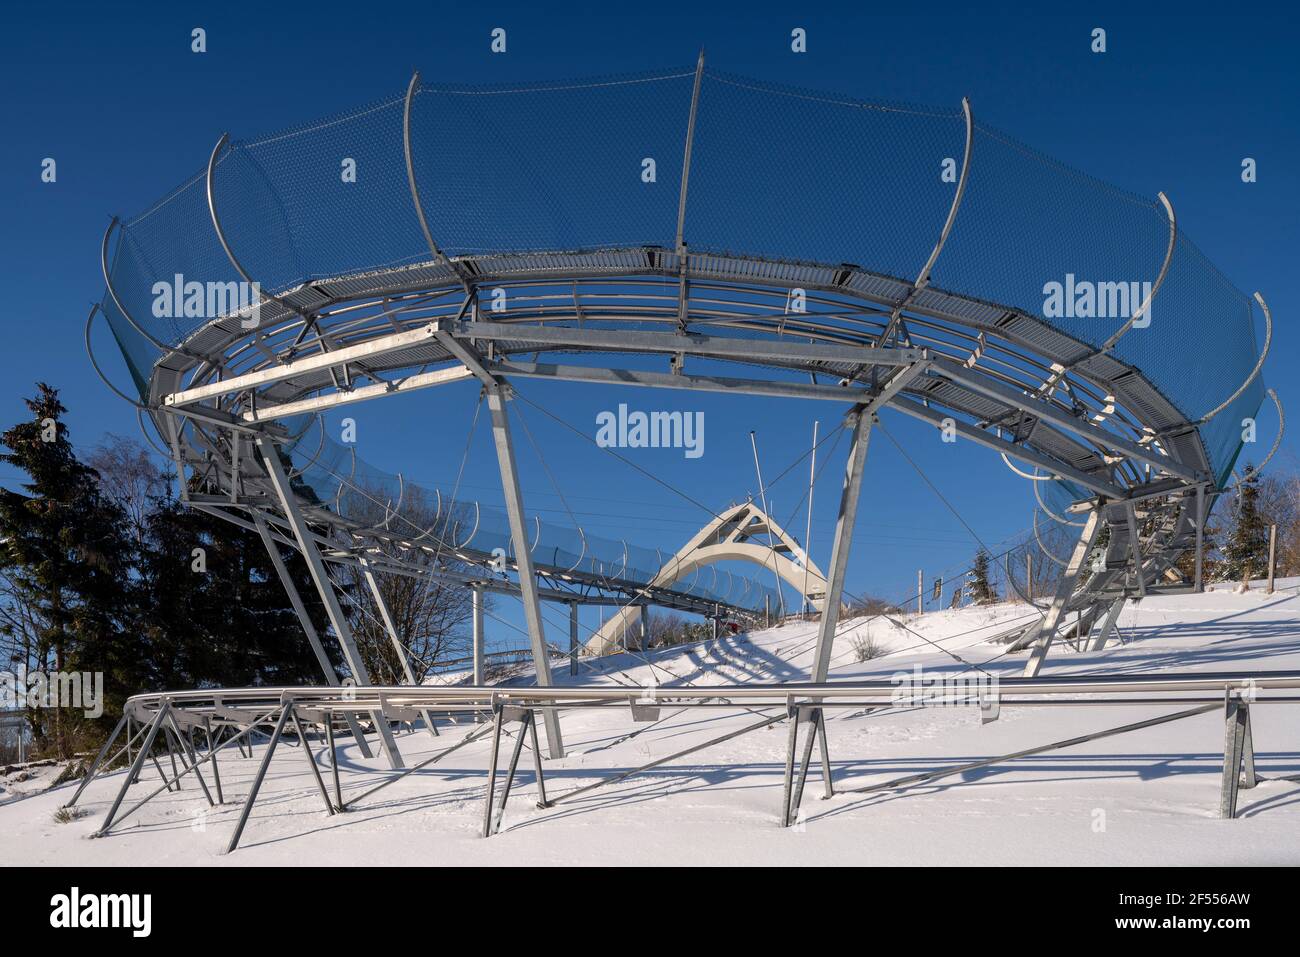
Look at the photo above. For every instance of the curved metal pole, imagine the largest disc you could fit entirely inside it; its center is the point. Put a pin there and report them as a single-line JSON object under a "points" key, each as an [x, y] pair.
{"points": [[1277, 442], [1138, 313], [1050, 514], [308, 318], [1025, 475], [474, 530], [581, 555], [923, 277], [1011, 580], [90, 352], [438, 254], [315, 457], [1041, 547], [1155, 286], [112, 292], [1254, 373], [139, 416]]}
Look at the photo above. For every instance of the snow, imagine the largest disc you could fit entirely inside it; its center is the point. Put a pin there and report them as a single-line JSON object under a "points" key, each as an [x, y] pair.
{"points": [[1150, 797]]}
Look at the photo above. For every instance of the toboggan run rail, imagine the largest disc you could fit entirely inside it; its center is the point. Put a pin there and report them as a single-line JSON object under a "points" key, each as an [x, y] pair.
{"points": [[893, 292], [231, 716]]}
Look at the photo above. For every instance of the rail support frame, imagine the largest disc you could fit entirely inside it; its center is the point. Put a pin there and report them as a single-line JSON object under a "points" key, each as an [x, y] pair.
{"points": [[792, 791], [146, 746], [573, 638], [477, 609], [1069, 576], [496, 396], [316, 565], [285, 713], [494, 810], [390, 627], [1108, 625], [300, 609], [311, 759], [859, 420], [1238, 753], [94, 768]]}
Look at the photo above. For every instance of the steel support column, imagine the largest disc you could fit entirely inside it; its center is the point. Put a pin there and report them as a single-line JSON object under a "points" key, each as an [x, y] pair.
{"points": [[478, 634], [860, 422], [307, 545], [1108, 625], [390, 626], [1238, 753], [523, 556], [313, 638], [792, 791], [1198, 584], [1069, 575], [573, 637]]}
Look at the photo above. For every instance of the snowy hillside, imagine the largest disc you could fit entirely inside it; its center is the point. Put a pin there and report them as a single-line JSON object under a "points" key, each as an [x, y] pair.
{"points": [[1151, 796]]}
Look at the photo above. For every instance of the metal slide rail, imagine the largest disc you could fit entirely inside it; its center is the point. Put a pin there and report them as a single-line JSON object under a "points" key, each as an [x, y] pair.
{"points": [[236, 714]]}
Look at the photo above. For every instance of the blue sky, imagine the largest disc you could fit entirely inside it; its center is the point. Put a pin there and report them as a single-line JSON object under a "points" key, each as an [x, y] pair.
{"points": [[114, 94]]}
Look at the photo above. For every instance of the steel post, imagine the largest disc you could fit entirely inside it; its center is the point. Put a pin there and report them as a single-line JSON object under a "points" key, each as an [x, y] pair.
{"points": [[386, 618], [94, 768], [496, 396], [477, 591], [1108, 624], [1065, 588], [134, 772], [307, 545], [261, 775], [860, 423], [1234, 741], [311, 759], [573, 637]]}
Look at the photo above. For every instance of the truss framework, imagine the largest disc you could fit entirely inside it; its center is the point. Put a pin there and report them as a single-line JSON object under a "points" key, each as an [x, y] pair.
{"points": [[870, 341], [236, 715]]}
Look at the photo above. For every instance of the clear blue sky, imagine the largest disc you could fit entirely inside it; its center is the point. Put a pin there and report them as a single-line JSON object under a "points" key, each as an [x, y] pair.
{"points": [[113, 93]]}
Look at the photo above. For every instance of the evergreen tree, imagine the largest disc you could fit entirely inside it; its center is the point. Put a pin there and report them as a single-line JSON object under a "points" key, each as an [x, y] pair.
{"points": [[213, 611], [67, 562], [1246, 553], [980, 589]]}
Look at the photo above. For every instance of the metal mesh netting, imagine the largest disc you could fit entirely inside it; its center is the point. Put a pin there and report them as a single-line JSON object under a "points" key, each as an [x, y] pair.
{"points": [[775, 172], [422, 516]]}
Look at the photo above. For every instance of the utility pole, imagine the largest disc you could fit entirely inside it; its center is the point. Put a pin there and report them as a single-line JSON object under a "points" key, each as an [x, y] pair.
{"points": [[1272, 555], [920, 591]]}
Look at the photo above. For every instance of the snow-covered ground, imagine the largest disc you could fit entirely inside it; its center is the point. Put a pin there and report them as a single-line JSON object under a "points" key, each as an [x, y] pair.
{"points": [[1149, 797]]}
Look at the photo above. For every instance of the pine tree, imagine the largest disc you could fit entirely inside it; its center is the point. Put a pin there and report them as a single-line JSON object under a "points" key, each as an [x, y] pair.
{"points": [[67, 562], [1246, 553], [213, 611], [980, 589]]}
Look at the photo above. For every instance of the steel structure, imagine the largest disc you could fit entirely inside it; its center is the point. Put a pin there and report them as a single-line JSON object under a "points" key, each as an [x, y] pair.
{"points": [[668, 230], [232, 716], [742, 532]]}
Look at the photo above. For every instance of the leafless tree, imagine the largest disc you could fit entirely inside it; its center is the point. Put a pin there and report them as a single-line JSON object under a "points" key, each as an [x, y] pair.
{"points": [[130, 476], [431, 615]]}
